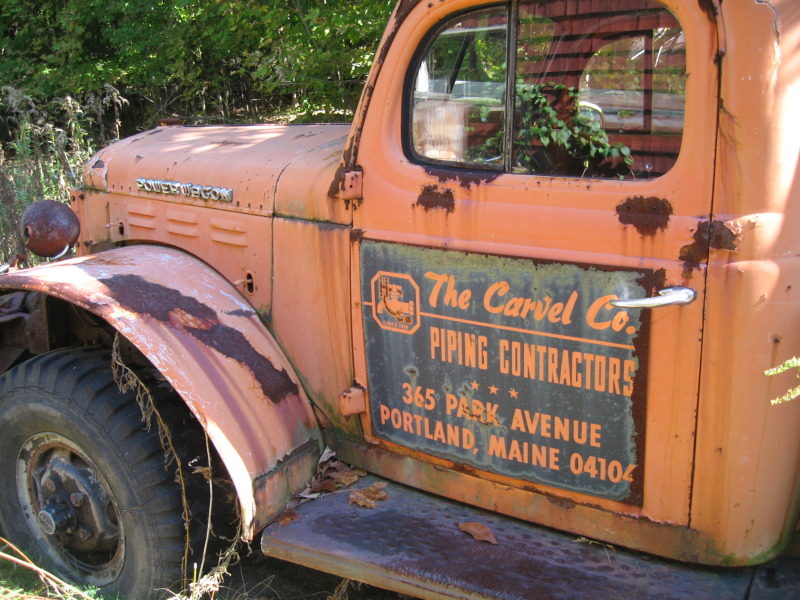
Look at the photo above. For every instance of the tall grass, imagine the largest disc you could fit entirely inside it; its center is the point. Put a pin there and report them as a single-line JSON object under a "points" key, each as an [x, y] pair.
{"points": [[45, 148], [41, 156]]}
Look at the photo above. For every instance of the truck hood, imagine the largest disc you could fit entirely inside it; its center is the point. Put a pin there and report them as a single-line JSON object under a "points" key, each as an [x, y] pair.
{"points": [[240, 168]]}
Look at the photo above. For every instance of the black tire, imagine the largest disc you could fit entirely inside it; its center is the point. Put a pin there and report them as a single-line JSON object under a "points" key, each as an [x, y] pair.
{"points": [[83, 483]]}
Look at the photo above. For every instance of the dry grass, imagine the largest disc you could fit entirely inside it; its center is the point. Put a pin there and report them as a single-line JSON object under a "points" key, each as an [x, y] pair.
{"points": [[30, 582], [49, 142]]}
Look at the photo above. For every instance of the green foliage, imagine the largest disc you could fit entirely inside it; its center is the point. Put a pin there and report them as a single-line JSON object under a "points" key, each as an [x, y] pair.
{"points": [[316, 55], [58, 47], [15, 580], [213, 60], [552, 117], [70, 66]]}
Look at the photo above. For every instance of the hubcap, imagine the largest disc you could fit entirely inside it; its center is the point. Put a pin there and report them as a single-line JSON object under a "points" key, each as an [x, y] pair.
{"points": [[70, 508]]}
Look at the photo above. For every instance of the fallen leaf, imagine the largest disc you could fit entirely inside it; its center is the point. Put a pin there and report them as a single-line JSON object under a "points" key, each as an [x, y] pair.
{"points": [[327, 455], [331, 475], [479, 531], [377, 490], [323, 485], [309, 494], [344, 476], [358, 497], [367, 497], [334, 464]]}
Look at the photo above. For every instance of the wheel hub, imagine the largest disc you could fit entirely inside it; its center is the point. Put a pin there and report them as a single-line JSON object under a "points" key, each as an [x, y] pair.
{"points": [[55, 517], [70, 504]]}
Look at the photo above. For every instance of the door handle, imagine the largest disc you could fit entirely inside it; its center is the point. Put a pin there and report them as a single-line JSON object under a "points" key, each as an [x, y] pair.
{"points": [[666, 297]]}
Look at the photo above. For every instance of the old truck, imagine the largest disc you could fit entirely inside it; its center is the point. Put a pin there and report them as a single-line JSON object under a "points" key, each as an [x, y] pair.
{"points": [[535, 286]]}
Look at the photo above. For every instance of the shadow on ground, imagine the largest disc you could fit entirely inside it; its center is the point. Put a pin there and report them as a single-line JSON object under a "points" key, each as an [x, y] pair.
{"points": [[272, 579]]}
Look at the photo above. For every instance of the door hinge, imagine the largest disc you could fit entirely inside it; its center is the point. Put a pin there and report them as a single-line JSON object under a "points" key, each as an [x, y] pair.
{"points": [[352, 187], [352, 401]]}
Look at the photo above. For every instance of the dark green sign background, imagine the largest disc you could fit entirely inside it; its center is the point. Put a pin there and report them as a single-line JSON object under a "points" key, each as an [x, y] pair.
{"points": [[510, 365]]}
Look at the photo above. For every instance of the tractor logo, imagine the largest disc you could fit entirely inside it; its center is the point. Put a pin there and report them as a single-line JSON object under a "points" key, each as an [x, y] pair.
{"points": [[395, 302]]}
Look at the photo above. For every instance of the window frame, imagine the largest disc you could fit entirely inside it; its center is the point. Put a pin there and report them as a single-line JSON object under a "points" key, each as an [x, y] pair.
{"points": [[506, 166], [409, 86]]}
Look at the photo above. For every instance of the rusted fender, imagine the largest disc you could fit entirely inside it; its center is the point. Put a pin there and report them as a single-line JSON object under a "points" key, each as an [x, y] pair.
{"points": [[201, 334]]}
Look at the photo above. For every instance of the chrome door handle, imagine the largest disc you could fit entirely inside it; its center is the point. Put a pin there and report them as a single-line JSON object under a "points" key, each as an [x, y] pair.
{"points": [[667, 296]]}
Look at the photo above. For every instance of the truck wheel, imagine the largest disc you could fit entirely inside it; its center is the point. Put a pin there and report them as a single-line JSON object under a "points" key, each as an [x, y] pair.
{"points": [[83, 485]]}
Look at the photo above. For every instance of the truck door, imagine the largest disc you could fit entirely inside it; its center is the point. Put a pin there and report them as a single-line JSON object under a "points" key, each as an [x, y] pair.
{"points": [[530, 253]]}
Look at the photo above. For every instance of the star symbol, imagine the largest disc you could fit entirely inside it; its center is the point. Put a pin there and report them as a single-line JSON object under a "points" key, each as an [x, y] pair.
{"points": [[493, 390], [475, 385], [513, 393]]}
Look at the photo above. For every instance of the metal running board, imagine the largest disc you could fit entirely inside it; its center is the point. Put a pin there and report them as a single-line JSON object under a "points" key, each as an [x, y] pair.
{"points": [[411, 543]]}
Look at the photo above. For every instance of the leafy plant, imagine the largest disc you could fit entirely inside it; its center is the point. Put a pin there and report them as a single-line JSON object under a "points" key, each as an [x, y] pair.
{"points": [[315, 56], [551, 118], [232, 60]]}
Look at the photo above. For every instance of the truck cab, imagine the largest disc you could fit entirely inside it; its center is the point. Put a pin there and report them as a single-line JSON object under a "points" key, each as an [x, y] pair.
{"points": [[542, 275]]}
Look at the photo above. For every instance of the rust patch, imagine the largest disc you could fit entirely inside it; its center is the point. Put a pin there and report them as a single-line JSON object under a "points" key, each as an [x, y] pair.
{"points": [[723, 235], [710, 235], [403, 8], [650, 280], [401, 11], [466, 179], [350, 155], [241, 313], [561, 502], [432, 197], [338, 184], [190, 316], [180, 319], [114, 260], [648, 215], [709, 7]]}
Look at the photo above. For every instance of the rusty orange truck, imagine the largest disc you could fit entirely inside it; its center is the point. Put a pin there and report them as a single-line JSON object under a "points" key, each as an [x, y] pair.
{"points": [[535, 287]]}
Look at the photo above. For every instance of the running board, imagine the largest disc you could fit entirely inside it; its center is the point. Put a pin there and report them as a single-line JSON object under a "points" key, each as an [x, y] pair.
{"points": [[412, 543]]}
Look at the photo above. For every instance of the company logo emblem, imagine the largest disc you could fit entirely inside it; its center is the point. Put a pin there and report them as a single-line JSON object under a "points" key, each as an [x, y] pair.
{"points": [[395, 302]]}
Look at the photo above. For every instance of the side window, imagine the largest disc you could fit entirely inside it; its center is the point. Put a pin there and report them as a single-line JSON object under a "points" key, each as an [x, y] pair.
{"points": [[458, 101], [592, 94]]}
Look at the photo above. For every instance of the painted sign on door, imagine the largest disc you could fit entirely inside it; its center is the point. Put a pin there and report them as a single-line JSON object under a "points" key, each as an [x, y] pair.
{"points": [[509, 365]]}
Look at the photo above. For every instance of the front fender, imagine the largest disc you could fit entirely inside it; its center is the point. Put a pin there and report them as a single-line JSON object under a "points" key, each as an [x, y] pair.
{"points": [[204, 338]]}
